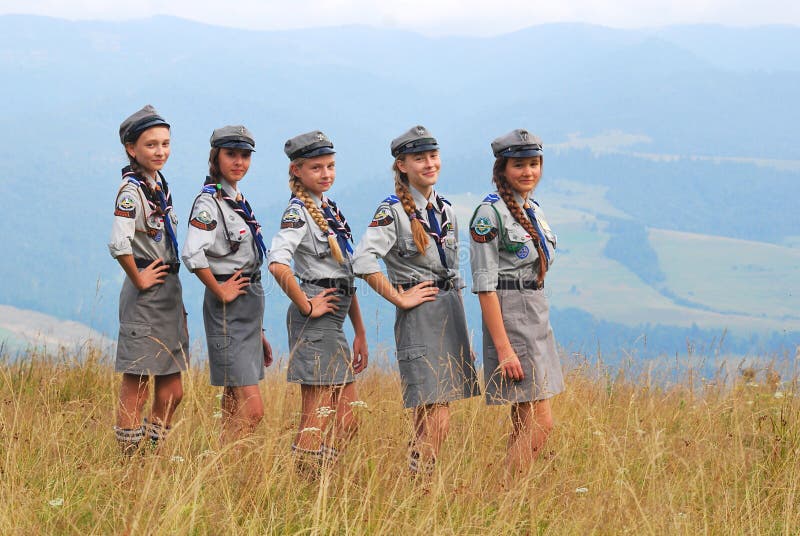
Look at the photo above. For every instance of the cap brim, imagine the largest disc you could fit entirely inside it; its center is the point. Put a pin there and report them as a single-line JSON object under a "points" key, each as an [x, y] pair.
{"points": [[319, 151], [522, 153], [420, 149], [237, 145]]}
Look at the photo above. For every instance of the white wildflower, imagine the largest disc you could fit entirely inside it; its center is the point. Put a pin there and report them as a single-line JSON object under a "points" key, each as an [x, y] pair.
{"points": [[217, 415], [325, 411], [358, 404], [178, 459], [581, 491], [778, 394], [56, 502]]}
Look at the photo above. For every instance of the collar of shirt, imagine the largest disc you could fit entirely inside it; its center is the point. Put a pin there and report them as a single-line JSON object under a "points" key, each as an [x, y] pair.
{"points": [[317, 200], [521, 200], [421, 202], [230, 189]]}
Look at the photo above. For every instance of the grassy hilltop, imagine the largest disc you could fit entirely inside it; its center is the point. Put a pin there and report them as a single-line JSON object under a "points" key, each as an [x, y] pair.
{"points": [[628, 455]]}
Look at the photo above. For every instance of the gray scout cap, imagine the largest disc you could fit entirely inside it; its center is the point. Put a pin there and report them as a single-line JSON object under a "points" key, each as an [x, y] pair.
{"points": [[416, 140], [133, 126], [234, 137], [518, 143], [308, 145]]}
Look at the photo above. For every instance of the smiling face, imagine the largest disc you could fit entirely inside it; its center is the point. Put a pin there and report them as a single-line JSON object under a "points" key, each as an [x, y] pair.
{"points": [[316, 174], [422, 170], [523, 174], [233, 163], [151, 149]]}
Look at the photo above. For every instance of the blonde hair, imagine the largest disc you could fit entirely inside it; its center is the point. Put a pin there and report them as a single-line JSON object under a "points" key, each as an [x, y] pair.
{"points": [[507, 193], [300, 192], [401, 189]]}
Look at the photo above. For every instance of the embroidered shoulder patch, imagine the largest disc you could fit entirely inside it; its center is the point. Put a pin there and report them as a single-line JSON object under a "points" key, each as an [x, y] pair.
{"points": [[126, 208], [292, 218], [382, 217], [392, 199], [204, 221], [482, 230], [491, 198]]}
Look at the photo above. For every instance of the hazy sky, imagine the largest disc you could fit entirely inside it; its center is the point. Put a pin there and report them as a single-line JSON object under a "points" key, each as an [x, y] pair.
{"points": [[435, 17]]}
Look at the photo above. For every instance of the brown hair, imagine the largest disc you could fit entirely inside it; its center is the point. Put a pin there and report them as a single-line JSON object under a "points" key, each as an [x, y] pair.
{"points": [[299, 191], [401, 188], [507, 193]]}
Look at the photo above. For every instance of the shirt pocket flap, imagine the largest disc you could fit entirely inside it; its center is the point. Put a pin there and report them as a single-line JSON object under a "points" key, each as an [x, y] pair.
{"points": [[135, 330], [516, 233], [408, 248]]}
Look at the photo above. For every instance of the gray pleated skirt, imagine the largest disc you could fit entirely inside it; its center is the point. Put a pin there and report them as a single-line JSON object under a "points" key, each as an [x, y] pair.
{"points": [[526, 317], [433, 352], [233, 334], [152, 329], [319, 352]]}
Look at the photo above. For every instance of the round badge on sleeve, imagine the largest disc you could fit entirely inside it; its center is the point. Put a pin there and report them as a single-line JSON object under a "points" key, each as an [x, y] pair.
{"points": [[158, 236]]}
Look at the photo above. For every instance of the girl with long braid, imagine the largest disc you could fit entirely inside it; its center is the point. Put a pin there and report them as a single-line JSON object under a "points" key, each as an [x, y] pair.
{"points": [[416, 234], [314, 237], [152, 333], [511, 249], [225, 250]]}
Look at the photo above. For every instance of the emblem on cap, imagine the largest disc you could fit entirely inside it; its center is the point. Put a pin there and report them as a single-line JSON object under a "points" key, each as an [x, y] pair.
{"points": [[421, 131], [320, 136], [523, 134], [241, 131]]}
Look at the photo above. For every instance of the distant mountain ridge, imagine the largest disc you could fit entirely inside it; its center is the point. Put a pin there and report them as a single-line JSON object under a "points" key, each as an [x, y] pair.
{"points": [[678, 90]]}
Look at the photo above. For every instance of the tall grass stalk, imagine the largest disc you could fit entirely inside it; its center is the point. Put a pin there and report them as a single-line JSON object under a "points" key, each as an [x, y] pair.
{"points": [[628, 455]]}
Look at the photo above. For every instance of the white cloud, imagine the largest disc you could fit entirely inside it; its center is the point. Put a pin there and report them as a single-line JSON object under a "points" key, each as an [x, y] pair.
{"points": [[474, 17]]}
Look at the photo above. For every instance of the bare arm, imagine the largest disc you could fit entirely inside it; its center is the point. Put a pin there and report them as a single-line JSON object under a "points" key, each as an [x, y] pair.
{"points": [[404, 299], [360, 351], [322, 303], [493, 318]]}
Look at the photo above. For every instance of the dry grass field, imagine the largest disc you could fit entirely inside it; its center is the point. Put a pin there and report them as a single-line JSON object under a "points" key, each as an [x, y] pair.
{"points": [[628, 455]]}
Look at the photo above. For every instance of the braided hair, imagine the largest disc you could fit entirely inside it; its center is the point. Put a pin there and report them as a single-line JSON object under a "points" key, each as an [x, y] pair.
{"points": [[401, 189], [213, 171], [507, 194], [300, 192]]}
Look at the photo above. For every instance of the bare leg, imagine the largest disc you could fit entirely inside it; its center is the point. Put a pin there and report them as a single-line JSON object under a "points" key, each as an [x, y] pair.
{"points": [[431, 423], [168, 394], [531, 423], [133, 393], [242, 410]]}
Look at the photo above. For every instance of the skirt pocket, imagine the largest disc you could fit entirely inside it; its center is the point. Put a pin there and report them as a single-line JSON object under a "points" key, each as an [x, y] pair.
{"points": [[219, 350], [409, 362]]}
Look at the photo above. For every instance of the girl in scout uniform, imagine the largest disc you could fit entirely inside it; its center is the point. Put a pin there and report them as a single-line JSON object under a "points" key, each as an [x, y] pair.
{"points": [[315, 236], [225, 250], [511, 249], [152, 334], [416, 235]]}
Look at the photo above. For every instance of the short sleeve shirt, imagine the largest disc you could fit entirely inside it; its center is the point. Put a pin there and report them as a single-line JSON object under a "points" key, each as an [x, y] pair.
{"points": [[500, 247]]}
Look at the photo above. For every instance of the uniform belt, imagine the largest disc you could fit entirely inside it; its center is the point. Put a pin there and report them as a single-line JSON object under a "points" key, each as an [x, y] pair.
{"points": [[441, 284], [255, 277], [516, 284], [340, 284], [174, 267]]}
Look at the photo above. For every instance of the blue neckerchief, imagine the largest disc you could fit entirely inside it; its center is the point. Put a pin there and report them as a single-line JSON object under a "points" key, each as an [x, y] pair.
{"points": [[162, 201], [339, 227], [433, 223], [254, 228], [532, 216]]}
